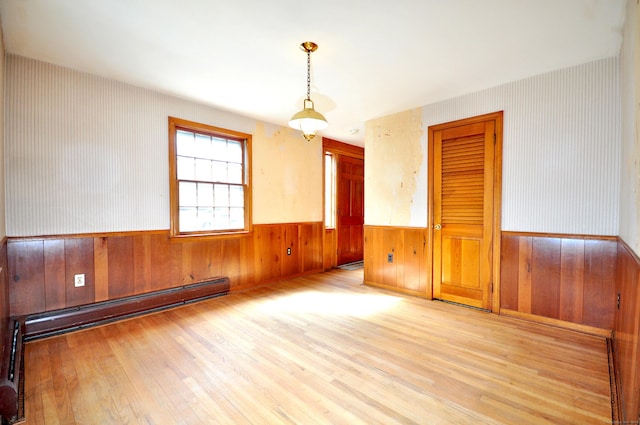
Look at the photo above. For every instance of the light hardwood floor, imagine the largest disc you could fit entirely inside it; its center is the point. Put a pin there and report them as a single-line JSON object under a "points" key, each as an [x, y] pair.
{"points": [[314, 350]]}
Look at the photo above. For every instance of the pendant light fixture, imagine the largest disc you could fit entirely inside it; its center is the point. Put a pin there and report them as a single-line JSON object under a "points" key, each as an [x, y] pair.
{"points": [[308, 120]]}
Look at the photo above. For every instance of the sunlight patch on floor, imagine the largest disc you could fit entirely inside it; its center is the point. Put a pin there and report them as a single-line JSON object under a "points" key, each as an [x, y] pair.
{"points": [[316, 302]]}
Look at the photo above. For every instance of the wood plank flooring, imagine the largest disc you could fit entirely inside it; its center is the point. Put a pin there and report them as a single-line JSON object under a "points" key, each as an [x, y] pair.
{"points": [[321, 349]]}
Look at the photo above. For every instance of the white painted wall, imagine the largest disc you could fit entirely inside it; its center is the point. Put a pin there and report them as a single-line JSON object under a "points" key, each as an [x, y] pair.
{"points": [[561, 153], [630, 160], [85, 154]]}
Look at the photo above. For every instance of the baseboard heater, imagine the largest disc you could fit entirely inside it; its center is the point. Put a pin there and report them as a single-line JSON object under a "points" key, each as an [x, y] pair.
{"points": [[12, 375], [69, 319]]}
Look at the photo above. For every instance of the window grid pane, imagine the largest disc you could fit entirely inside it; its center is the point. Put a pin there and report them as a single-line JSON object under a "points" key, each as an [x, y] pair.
{"points": [[219, 171], [236, 196], [234, 151], [221, 195], [329, 190], [188, 194], [211, 186], [185, 143], [188, 219], [185, 168], [197, 163], [205, 195], [203, 170]]}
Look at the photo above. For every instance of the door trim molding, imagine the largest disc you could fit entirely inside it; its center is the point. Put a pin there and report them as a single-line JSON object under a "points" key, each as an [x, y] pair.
{"points": [[497, 196], [338, 149]]}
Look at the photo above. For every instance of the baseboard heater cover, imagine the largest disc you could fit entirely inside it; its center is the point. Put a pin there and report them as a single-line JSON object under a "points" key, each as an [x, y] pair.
{"points": [[12, 375], [55, 322]]}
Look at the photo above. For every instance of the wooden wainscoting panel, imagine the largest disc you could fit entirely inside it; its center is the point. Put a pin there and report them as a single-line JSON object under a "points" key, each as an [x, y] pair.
{"points": [[545, 277], [101, 268], [310, 250], [166, 261], [627, 329], [196, 260], [416, 275], [268, 255], [118, 265], [79, 260], [330, 260], [525, 249], [5, 306], [247, 264], [572, 280], [229, 260], [211, 263], [55, 287], [142, 263], [215, 261], [411, 260], [290, 261], [391, 245], [562, 277], [372, 255], [509, 269], [408, 271], [26, 276], [599, 283], [203, 260], [121, 266]]}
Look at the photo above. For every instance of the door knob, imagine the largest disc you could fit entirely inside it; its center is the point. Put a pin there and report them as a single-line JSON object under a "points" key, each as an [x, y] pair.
{"points": [[437, 227]]}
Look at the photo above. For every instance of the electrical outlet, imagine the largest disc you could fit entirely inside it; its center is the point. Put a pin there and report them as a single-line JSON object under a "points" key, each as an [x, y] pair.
{"points": [[289, 251], [78, 280], [389, 258]]}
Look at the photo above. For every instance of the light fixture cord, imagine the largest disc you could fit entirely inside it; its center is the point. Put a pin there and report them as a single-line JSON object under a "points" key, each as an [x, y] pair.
{"points": [[308, 75]]}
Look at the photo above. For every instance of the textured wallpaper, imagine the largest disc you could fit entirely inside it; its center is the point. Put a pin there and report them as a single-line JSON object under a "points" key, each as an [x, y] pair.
{"points": [[86, 154], [630, 88], [561, 152]]}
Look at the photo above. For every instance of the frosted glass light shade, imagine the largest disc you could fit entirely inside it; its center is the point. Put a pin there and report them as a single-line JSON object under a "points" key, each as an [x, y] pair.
{"points": [[308, 121]]}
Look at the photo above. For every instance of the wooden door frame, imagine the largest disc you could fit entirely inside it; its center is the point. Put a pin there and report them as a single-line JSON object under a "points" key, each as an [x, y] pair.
{"points": [[497, 199], [337, 149]]}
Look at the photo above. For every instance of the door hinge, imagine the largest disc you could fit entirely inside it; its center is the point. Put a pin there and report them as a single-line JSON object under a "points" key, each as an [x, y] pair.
{"points": [[491, 287], [494, 138]]}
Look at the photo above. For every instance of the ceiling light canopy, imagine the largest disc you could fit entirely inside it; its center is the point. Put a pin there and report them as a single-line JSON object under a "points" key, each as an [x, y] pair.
{"points": [[308, 120]]}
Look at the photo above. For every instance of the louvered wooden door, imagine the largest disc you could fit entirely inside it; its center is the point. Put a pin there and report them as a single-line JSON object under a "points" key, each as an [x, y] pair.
{"points": [[463, 184]]}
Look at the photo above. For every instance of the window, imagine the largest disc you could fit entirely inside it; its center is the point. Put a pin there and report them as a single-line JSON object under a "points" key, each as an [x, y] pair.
{"points": [[210, 179], [329, 190]]}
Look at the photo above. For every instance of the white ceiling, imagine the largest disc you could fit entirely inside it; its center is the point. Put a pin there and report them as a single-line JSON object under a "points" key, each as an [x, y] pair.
{"points": [[375, 57]]}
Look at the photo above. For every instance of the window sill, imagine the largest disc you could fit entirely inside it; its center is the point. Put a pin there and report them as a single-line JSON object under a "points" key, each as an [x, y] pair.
{"points": [[202, 237]]}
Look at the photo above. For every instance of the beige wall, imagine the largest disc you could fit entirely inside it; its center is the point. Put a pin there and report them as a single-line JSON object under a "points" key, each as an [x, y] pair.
{"points": [[395, 161], [630, 90], [85, 155], [287, 176]]}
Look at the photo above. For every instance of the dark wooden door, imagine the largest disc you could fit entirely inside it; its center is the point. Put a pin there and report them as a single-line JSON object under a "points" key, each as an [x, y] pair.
{"points": [[463, 211], [350, 209]]}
